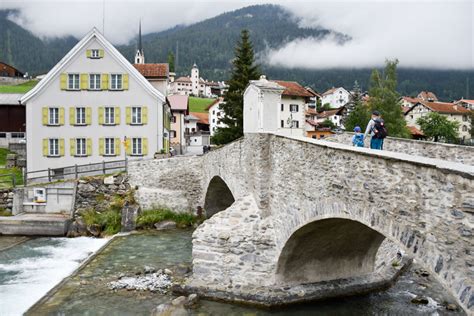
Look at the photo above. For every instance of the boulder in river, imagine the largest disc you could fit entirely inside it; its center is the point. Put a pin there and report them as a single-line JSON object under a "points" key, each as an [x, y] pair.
{"points": [[130, 213], [169, 310], [165, 225], [420, 300]]}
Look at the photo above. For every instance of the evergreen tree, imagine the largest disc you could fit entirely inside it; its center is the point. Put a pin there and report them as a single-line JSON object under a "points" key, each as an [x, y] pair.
{"points": [[359, 116], [471, 119], [171, 61], [439, 127], [385, 99], [243, 70]]}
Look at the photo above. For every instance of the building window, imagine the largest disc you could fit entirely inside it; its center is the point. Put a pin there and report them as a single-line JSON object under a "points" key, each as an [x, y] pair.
{"points": [[73, 82], [295, 124], [172, 134], [109, 118], [282, 123], [80, 147], [81, 116], [115, 82], [213, 120], [464, 128], [110, 146], [95, 53], [464, 118], [213, 112], [136, 115], [218, 114], [17, 135], [282, 107], [293, 108], [411, 116], [54, 147], [94, 81], [53, 116], [173, 119], [137, 146]]}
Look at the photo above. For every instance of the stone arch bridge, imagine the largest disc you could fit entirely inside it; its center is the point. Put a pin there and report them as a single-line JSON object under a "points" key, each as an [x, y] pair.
{"points": [[295, 219]]}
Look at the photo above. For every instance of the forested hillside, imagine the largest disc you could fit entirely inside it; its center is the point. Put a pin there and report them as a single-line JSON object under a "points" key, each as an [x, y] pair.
{"points": [[211, 44]]}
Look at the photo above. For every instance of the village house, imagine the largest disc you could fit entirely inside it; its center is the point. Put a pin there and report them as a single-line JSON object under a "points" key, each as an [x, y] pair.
{"points": [[452, 111], [93, 106], [12, 119], [7, 70], [468, 104], [336, 97], [427, 96], [196, 86], [196, 132], [179, 105], [215, 114], [334, 116]]}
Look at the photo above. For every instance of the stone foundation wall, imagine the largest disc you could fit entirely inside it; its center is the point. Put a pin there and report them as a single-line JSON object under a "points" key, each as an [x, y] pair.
{"points": [[6, 199], [450, 152]]}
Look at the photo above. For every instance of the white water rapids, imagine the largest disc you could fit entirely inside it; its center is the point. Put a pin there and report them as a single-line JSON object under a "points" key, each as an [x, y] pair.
{"points": [[29, 270]]}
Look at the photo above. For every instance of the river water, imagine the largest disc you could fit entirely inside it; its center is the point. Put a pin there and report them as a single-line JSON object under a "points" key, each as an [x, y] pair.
{"points": [[87, 293]]}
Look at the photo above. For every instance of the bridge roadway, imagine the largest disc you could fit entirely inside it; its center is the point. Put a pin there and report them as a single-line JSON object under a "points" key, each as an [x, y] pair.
{"points": [[297, 219]]}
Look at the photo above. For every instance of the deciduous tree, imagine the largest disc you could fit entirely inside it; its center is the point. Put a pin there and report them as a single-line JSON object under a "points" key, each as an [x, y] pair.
{"points": [[438, 127]]}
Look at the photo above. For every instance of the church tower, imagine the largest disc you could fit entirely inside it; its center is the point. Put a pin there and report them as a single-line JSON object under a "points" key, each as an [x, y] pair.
{"points": [[139, 56], [195, 79]]}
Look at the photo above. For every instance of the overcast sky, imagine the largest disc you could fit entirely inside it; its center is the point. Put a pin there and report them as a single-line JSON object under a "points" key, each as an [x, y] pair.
{"points": [[420, 33]]}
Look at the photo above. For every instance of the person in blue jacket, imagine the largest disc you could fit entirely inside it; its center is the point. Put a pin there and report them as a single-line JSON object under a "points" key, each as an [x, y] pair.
{"points": [[358, 138]]}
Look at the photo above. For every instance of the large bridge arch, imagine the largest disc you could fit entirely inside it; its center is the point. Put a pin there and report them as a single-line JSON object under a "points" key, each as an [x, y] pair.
{"points": [[218, 196], [328, 249]]}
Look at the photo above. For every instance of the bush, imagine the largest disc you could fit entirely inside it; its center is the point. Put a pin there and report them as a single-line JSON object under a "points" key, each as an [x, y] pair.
{"points": [[108, 221], [148, 218]]}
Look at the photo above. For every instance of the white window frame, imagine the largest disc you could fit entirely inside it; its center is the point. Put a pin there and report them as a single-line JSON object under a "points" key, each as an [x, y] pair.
{"points": [[292, 107], [73, 82], [115, 83], [53, 147], [81, 147], [53, 116], [94, 83], [95, 53], [136, 149], [137, 114], [109, 146], [295, 124], [109, 115], [80, 116]]}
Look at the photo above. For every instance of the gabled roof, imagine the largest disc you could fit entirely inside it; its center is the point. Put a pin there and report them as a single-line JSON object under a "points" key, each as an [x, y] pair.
{"points": [[203, 117], [152, 70], [10, 98], [312, 91], [465, 101], [411, 100], [427, 96], [332, 90], [329, 113], [178, 102], [293, 88], [216, 101], [94, 33], [442, 107], [183, 79]]}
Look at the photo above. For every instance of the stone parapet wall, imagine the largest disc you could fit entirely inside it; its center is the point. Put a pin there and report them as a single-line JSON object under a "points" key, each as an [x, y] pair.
{"points": [[6, 200], [450, 152]]}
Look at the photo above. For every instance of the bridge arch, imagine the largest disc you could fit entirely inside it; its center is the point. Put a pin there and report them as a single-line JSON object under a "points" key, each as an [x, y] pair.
{"points": [[218, 196], [328, 249]]}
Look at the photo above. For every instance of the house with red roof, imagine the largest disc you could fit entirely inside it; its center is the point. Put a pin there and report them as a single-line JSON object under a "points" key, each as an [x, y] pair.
{"points": [[468, 104], [453, 111], [336, 97], [179, 105]]}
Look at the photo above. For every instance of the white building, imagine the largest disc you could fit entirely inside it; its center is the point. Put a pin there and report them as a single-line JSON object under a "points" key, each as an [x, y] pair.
{"points": [[335, 116], [215, 115], [196, 86], [88, 105], [336, 97]]}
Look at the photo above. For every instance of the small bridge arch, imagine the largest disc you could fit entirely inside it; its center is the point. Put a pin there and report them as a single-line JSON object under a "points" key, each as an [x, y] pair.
{"points": [[328, 249], [218, 196]]}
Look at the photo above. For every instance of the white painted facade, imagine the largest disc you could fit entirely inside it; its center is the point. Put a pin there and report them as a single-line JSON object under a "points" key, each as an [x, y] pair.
{"points": [[292, 115], [191, 85], [50, 94], [215, 114], [336, 97], [262, 109]]}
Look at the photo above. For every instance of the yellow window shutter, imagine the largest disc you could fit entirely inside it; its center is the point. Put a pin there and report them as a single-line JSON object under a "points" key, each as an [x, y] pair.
{"points": [[105, 81], [125, 81], [61, 116], [117, 115], [72, 115], [89, 147], [84, 81], [45, 115], [145, 146], [101, 53], [63, 81], [117, 146], [72, 146], [144, 115], [61, 147], [128, 115], [45, 147], [101, 115], [101, 146], [129, 146], [88, 115], [88, 53]]}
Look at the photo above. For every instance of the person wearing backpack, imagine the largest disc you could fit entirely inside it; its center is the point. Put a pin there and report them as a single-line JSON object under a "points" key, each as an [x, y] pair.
{"points": [[358, 138], [377, 130]]}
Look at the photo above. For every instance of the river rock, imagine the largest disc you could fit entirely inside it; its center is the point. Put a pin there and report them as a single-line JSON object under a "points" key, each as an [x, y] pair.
{"points": [[451, 307], [150, 282], [94, 230], [169, 310], [109, 180], [168, 272], [129, 217], [181, 300], [165, 225], [420, 300], [148, 270], [193, 299]]}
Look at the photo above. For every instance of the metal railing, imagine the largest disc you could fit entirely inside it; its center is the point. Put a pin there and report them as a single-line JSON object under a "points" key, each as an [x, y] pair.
{"points": [[75, 171]]}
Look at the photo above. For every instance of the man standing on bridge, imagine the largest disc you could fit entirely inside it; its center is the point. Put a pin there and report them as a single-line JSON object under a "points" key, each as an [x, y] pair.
{"points": [[377, 130]]}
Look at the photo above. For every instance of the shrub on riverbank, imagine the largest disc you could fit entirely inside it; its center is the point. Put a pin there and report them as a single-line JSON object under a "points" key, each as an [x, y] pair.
{"points": [[150, 217], [108, 222]]}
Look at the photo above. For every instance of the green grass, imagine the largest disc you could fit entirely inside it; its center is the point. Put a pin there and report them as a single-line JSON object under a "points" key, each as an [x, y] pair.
{"points": [[109, 221], [20, 88], [5, 173], [3, 156], [199, 104], [148, 218]]}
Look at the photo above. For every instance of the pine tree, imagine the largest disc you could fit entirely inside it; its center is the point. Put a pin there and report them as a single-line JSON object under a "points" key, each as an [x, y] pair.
{"points": [[171, 61], [359, 116], [385, 99], [243, 70]]}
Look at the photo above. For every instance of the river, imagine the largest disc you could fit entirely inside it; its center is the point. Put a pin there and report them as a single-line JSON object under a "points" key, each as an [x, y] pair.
{"points": [[87, 293]]}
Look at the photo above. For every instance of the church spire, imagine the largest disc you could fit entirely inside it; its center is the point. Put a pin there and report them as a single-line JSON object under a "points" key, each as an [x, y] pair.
{"points": [[139, 56]]}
